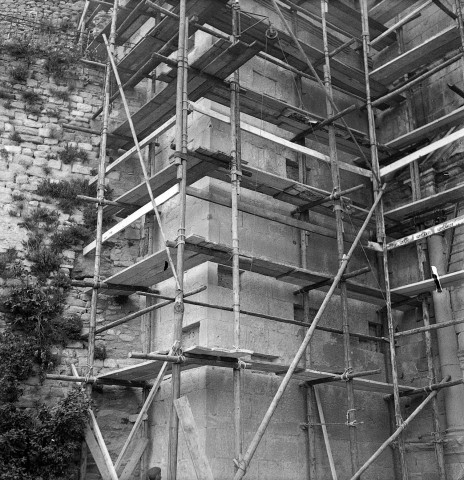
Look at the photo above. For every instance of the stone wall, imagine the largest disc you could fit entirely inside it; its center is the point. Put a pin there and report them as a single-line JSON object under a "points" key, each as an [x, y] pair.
{"points": [[32, 155]]}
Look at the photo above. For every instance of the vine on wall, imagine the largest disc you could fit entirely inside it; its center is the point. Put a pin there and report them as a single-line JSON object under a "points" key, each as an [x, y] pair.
{"points": [[39, 441]]}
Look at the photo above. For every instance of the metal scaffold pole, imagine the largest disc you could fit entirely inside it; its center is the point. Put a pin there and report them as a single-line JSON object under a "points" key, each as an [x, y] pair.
{"points": [[181, 159], [235, 174], [336, 182], [381, 235]]}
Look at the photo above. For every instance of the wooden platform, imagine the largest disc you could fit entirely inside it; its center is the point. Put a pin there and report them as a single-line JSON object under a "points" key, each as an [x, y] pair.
{"points": [[148, 370], [154, 269], [427, 52], [197, 167], [346, 67], [425, 132], [342, 16], [413, 289], [159, 35], [428, 204], [386, 10], [288, 117], [216, 64]]}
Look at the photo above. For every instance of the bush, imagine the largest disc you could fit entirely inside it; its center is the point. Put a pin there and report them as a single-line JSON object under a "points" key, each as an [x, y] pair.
{"points": [[72, 154], [58, 62], [44, 443], [19, 73]]}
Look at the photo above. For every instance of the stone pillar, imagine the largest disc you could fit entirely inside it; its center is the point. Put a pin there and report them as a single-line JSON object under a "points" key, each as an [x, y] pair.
{"points": [[449, 362]]}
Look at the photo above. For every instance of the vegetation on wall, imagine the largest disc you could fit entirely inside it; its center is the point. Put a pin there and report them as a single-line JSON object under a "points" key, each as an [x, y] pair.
{"points": [[41, 442]]}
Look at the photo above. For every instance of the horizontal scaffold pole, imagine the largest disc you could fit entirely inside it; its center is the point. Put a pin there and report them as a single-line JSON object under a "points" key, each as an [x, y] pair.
{"points": [[340, 378], [333, 196], [184, 360], [422, 152], [429, 388], [110, 286], [315, 286], [395, 435], [142, 312], [435, 326], [415, 81], [268, 317], [96, 380]]}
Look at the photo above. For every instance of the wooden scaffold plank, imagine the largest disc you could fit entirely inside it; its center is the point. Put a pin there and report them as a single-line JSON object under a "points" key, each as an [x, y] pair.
{"points": [[427, 52], [426, 204], [428, 285], [200, 462]]}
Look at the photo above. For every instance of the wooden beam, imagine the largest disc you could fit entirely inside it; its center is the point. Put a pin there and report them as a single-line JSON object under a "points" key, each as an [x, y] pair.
{"points": [[426, 204], [265, 213], [280, 141], [386, 10], [102, 446], [147, 208], [396, 434], [430, 130], [200, 462], [97, 454], [326, 435], [421, 152], [153, 391], [134, 459], [143, 143], [434, 48], [410, 16]]}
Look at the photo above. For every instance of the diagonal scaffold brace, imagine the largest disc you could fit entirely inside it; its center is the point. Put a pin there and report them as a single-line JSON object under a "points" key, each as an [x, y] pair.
{"points": [[142, 163], [242, 464]]}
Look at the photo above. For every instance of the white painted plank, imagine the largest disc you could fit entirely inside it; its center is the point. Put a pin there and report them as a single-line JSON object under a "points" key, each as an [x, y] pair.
{"points": [[143, 143], [414, 237], [133, 217], [281, 141], [421, 152], [428, 285]]}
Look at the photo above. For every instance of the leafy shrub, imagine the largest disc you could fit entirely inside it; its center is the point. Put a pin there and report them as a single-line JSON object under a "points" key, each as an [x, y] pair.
{"points": [[16, 360], [100, 352], [19, 73], [58, 61], [31, 97], [72, 154], [43, 444], [60, 94], [66, 192]]}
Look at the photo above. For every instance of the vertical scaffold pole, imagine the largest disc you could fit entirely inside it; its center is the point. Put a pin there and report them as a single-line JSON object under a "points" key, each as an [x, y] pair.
{"points": [[336, 182], [181, 152], [235, 175], [99, 231], [381, 236], [421, 258]]}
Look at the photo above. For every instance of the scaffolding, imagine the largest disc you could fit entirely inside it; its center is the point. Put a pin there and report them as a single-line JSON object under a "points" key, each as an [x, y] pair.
{"points": [[238, 37]]}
